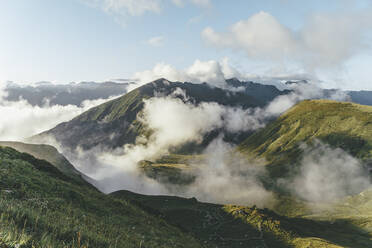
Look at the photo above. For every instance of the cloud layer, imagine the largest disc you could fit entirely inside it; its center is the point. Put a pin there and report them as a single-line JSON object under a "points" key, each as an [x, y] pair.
{"points": [[328, 174], [21, 120], [227, 178], [222, 177], [211, 71]]}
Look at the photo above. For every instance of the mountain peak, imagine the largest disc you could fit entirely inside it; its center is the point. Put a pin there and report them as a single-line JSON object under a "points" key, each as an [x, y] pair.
{"points": [[161, 81]]}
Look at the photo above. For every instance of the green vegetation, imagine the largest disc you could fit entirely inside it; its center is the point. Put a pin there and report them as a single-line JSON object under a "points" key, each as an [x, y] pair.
{"points": [[340, 124], [168, 173], [114, 109], [42, 207], [173, 169], [35, 196], [236, 226], [115, 123], [45, 152]]}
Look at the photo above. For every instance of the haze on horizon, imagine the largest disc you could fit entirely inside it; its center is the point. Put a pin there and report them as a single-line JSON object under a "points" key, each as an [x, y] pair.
{"points": [[196, 40]]}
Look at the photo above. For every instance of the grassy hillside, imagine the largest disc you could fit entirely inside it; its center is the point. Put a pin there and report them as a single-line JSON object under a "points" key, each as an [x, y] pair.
{"points": [[114, 123], [340, 124], [42, 207], [45, 152], [236, 226], [357, 209]]}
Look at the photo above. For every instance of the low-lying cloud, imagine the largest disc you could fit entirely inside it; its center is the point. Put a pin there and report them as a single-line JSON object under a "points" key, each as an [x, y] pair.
{"points": [[21, 120], [225, 177], [221, 175], [176, 122], [328, 174]]}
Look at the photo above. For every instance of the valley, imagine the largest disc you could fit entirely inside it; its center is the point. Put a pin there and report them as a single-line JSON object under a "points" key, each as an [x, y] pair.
{"points": [[43, 184]]}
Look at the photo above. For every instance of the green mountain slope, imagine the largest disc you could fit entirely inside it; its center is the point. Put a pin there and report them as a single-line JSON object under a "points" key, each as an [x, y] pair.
{"points": [[115, 123], [45, 152], [237, 226], [42, 207], [340, 124]]}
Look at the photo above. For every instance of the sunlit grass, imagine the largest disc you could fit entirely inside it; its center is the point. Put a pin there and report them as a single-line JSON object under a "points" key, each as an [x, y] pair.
{"points": [[40, 207]]}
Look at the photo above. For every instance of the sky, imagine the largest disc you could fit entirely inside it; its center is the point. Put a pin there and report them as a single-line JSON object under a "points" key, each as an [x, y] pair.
{"points": [[97, 40]]}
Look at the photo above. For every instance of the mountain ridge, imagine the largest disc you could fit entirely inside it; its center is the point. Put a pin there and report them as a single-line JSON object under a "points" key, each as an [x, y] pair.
{"points": [[114, 123], [340, 124]]}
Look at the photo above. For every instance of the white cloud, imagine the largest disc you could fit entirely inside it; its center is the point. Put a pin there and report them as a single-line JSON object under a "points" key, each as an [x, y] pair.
{"points": [[175, 123], [222, 177], [328, 174], [334, 39], [21, 120], [300, 92], [325, 40], [211, 71], [215, 73], [261, 36], [207, 71], [160, 70], [156, 41], [225, 177]]}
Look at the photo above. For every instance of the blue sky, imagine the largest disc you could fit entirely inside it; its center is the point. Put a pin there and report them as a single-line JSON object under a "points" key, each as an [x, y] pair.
{"points": [[75, 40]]}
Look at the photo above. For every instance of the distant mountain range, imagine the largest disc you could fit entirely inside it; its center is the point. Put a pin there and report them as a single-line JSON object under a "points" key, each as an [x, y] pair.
{"points": [[361, 97], [75, 93], [64, 94]]}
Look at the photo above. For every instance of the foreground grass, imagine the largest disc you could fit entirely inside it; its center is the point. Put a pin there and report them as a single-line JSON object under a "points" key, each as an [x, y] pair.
{"points": [[41, 207], [233, 226]]}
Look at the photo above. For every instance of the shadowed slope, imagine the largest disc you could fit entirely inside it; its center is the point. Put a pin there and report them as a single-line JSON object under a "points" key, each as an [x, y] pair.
{"points": [[45, 152], [236, 226]]}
